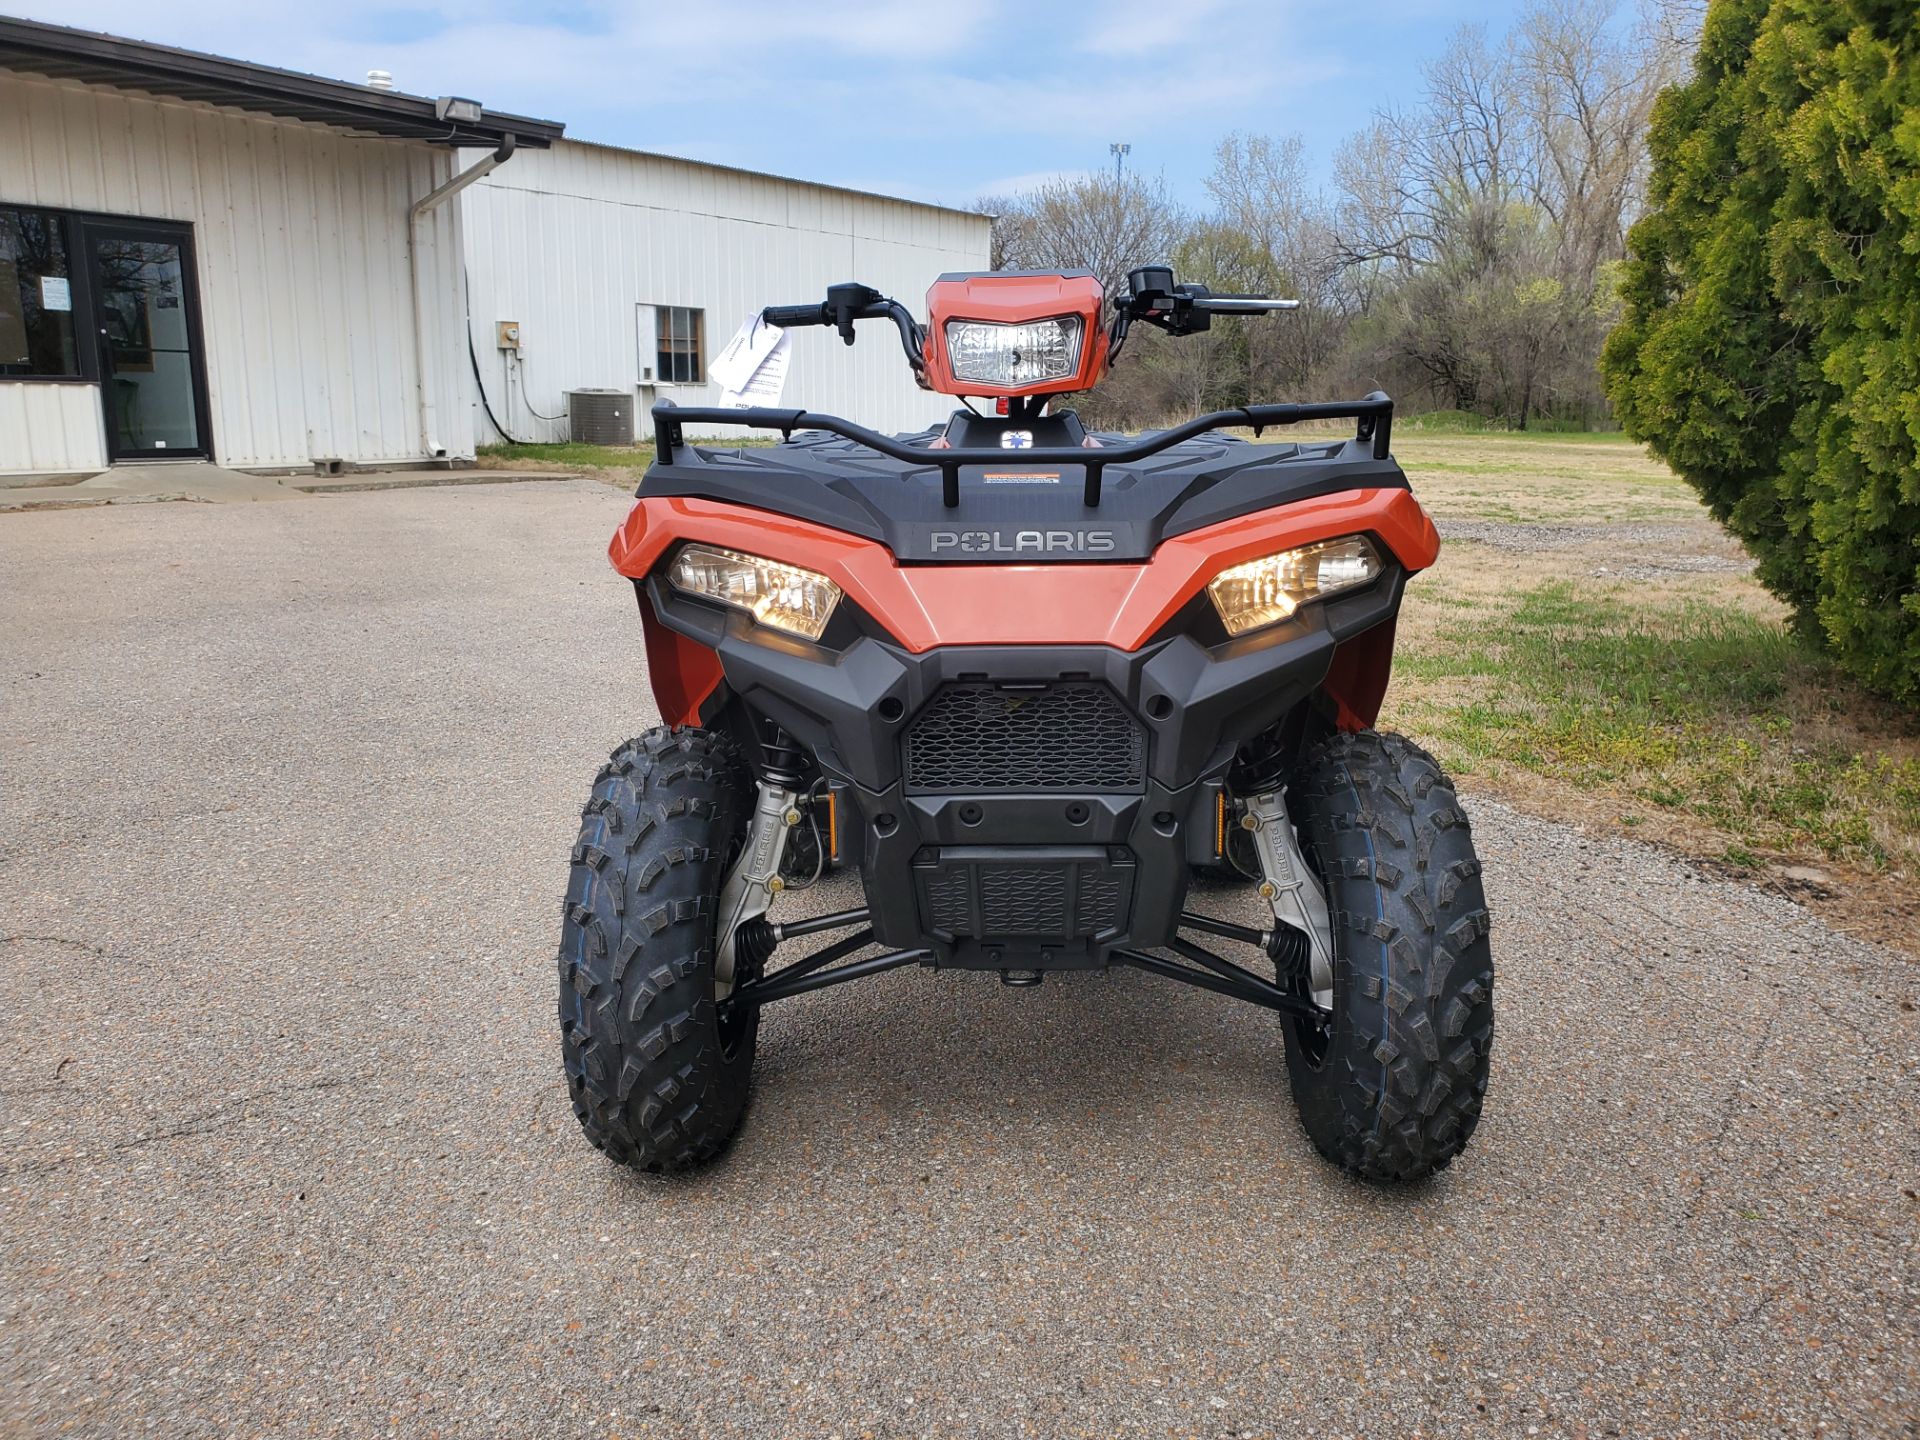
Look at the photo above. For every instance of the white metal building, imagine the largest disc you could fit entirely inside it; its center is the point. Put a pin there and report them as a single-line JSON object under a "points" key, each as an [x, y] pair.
{"points": [[204, 258], [629, 271]]}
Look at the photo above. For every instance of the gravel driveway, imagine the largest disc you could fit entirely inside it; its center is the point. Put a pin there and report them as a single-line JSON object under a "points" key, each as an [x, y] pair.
{"points": [[284, 1147]]}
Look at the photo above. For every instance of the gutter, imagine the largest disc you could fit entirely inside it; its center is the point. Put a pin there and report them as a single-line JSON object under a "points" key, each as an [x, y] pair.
{"points": [[426, 204]]}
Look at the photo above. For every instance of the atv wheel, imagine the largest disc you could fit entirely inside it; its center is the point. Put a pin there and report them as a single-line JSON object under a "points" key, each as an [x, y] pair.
{"points": [[658, 1077], [1390, 1088]]}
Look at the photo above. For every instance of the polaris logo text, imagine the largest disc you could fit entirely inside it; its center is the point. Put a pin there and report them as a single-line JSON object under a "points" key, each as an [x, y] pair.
{"points": [[1025, 542]]}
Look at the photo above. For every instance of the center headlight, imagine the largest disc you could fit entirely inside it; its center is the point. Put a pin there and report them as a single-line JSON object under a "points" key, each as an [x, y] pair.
{"points": [[1270, 589], [783, 596], [1009, 355]]}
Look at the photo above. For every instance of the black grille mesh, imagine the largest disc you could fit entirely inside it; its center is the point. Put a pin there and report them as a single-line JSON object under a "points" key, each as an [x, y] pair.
{"points": [[999, 898], [1024, 902], [1072, 736], [950, 902]]}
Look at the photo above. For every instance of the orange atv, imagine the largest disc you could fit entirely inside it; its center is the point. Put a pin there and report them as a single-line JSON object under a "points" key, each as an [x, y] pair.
{"points": [[1026, 679]]}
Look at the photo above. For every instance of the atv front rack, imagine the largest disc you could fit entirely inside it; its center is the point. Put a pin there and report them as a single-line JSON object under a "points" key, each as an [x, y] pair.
{"points": [[1374, 414]]}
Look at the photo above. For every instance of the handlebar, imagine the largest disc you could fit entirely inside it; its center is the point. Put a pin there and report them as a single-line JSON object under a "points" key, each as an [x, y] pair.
{"points": [[1243, 304], [789, 316], [848, 302], [1152, 297]]}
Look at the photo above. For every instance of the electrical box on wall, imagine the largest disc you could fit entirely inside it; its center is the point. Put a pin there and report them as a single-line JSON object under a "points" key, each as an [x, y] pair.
{"points": [[507, 334]]}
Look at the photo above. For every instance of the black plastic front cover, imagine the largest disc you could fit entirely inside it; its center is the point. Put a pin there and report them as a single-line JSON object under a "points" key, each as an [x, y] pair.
{"points": [[1020, 510]]}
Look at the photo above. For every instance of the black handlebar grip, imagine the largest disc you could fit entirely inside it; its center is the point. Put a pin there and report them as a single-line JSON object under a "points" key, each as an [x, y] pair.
{"points": [[788, 316]]}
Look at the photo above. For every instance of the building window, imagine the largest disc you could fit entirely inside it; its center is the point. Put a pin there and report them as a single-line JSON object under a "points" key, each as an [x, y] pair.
{"points": [[36, 296], [678, 333]]}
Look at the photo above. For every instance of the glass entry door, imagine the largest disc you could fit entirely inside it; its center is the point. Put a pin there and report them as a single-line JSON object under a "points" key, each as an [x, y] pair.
{"points": [[146, 310]]}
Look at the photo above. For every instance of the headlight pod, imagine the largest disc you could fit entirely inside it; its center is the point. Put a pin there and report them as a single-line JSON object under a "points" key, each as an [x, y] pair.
{"points": [[1270, 589], [783, 596], [1012, 355]]}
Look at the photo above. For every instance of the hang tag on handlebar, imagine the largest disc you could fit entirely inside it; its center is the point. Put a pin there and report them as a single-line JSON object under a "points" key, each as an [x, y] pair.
{"points": [[752, 370], [749, 348]]}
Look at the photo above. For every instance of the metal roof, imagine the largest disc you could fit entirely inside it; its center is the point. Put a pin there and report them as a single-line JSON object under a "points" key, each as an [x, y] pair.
{"points": [[965, 211], [61, 53]]}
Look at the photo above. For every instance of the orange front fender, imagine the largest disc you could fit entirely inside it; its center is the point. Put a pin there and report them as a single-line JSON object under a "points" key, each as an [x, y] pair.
{"points": [[1122, 604]]}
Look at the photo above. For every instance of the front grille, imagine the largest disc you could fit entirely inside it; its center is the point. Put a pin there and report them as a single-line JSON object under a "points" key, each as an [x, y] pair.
{"points": [[981, 738], [1024, 902], [1060, 894]]}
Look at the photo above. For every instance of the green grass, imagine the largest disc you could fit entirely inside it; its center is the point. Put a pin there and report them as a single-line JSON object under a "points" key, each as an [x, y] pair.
{"points": [[1694, 708], [579, 457], [1464, 422], [597, 457]]}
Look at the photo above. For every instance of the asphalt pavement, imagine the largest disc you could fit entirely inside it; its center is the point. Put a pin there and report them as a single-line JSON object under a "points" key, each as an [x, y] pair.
{"points": [[286, 795]]}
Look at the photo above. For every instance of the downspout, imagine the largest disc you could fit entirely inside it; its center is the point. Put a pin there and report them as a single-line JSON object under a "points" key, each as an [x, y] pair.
{"points": [[432, 200]]}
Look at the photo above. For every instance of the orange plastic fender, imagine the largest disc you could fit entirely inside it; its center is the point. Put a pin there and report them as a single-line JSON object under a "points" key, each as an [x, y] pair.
{"points": [[1121, 604]]}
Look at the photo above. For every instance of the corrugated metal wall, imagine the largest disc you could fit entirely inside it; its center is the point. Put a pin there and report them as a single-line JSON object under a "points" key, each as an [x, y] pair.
{"points": [[570, 242], [51, 428], [301, 239]]}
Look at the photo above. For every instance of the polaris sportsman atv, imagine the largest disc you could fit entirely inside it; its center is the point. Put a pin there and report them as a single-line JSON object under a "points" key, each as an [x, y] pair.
{"points": [[1026, 680]]}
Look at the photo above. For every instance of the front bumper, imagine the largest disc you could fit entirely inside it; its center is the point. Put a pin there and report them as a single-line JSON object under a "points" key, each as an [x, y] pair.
{"points": [[1053, 873]]}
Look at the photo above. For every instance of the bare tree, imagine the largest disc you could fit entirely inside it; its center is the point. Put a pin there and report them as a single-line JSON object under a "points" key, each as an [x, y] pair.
{"points": [[1586, 97], [1010, 225], [1092, 223], [1467, 252], [1263, 192], [1479, 227]]}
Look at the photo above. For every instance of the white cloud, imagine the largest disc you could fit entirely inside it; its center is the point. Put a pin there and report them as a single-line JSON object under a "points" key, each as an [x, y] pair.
{"points": [[1032, 180], [1183, 33]]}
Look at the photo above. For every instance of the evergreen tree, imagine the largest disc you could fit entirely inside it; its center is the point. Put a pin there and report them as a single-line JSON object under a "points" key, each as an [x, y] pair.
{"points": [[1769, 348]]}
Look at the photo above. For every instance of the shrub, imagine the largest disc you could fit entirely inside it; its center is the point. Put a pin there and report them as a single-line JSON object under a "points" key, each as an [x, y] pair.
{"points": [[1769, 346]]}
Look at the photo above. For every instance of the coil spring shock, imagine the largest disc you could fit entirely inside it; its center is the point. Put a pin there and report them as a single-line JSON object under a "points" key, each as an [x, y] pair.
{"points": [[782, 762], [1261, 765]]}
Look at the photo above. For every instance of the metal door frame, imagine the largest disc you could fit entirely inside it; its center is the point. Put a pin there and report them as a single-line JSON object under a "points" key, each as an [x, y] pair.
{"points": [[167, 232]]}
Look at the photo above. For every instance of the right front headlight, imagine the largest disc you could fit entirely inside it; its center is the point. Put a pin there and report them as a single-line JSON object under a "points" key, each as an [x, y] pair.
{"points": [[1268, 590], [786, 597]]}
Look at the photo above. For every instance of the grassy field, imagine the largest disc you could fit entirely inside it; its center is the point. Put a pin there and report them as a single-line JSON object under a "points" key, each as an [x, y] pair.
{"points": [[605, 462], [620, 465], [1591, 645]]}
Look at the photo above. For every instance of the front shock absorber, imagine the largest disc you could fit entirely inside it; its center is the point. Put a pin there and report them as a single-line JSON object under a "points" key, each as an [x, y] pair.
{"points": [[783, 764]]}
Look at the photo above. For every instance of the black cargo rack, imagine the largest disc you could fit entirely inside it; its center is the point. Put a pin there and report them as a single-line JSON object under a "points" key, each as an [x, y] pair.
{"points": [[1374, 414]]}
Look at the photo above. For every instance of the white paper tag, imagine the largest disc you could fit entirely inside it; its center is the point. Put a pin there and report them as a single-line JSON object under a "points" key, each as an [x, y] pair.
{"points": [[56, 293], [733, 368], [768, 380]]}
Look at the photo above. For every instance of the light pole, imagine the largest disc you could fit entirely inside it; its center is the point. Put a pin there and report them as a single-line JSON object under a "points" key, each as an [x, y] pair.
{"points": [[1119, 150]]}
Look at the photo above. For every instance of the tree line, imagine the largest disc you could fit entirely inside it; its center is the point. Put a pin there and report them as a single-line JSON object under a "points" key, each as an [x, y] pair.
{"points": [[1465, 258]]}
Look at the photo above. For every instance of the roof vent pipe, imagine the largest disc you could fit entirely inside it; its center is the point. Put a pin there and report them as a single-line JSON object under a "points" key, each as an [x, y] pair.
{"points": [[379, 79]]}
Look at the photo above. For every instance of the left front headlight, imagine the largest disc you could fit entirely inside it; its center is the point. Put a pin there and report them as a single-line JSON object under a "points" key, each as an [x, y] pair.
{"points": [[1267, 590], [786, 597]]}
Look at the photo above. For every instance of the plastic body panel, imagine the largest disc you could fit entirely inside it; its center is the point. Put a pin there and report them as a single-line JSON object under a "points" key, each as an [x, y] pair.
{"points": [[850, 707], [1013, 612], [1117, 604], [844, 486]]}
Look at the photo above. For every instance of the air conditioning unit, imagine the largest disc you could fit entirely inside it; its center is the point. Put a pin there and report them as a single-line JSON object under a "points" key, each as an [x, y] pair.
{"points": [[600, 417]]}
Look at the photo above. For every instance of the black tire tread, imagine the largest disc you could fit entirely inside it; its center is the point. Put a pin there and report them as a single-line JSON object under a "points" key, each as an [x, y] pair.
{"points": [[1401, 1086], [650, 1080]]}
